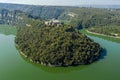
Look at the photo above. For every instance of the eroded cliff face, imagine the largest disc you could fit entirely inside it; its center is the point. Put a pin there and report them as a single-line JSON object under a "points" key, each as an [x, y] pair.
{"points": [[11, 17]]}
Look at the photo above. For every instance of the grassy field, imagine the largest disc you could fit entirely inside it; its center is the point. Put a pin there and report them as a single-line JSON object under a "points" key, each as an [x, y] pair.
{"points": [[101, 36], [7, 29]]}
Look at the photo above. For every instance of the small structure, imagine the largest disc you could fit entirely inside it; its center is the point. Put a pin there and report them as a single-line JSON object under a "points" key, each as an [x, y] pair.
{"points": [[53, 22], [115, 35], [71, 14], [28, 25]]}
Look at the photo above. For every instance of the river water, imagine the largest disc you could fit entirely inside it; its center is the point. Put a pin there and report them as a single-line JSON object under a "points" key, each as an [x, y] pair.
{"points": [[13, 66]]}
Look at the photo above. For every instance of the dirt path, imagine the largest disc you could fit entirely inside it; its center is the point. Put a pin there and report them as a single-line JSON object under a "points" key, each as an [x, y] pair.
{"points": [[102, 34]]}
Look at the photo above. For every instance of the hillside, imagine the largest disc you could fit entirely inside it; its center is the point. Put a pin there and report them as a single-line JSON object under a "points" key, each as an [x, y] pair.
{"points": [[56, 46], [11, 17], [45, 12], [78, 17], [90, 17]]}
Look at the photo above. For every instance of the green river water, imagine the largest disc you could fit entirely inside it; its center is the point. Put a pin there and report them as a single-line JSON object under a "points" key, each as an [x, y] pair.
{"points": [[13, 66]]}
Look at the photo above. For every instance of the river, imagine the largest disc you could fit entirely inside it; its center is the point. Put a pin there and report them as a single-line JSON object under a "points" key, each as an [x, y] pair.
{"points": [[13, 66]]}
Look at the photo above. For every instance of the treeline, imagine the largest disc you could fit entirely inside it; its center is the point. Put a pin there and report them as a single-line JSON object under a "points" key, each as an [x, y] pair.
{"points": [[90, 17], [56, 46]]}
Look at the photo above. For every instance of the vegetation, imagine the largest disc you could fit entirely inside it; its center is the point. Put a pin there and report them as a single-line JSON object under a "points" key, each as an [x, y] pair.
{"points": [[82, 17], [57, 46], [38, 35], [107, 30], [101, 36], [90, 17]]}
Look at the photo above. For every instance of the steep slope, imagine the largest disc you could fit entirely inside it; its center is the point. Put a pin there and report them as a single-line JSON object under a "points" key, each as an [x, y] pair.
{"points": [[79, 17], [45, 12], [11, 17]]}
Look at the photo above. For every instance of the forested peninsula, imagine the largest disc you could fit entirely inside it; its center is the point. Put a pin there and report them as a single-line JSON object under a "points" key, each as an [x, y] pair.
{"points": [[53, 45], [60, 43]]}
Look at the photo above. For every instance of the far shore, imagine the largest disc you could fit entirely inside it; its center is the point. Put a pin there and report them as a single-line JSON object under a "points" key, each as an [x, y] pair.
{"points": [[102, 34], [107, 37]]}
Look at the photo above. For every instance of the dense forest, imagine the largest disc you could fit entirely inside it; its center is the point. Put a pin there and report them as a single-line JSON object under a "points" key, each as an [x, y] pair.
{"points": [[56, 46]]}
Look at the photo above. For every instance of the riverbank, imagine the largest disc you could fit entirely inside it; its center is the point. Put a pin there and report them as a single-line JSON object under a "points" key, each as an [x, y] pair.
{"points": [[102, 34], [110, 38], [29, 59]]}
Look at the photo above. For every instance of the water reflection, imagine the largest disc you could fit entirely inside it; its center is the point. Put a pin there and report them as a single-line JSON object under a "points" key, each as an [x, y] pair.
{"points": [[103, 54], [56, 69], [63, 69]]}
